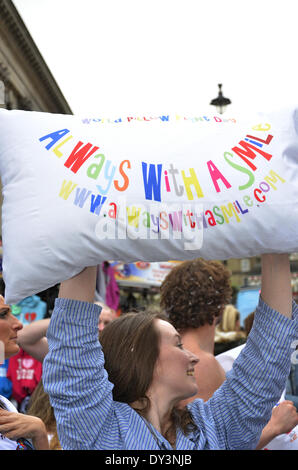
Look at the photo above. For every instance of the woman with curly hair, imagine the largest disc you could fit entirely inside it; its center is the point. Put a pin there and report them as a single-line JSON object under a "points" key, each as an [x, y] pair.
{"points": [[124, 394]]}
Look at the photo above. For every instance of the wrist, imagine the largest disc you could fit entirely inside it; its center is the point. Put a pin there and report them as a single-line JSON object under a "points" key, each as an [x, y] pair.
{"points": [[80, 287], [269, 432], [40, 437], [272, 430], [41, 442]]}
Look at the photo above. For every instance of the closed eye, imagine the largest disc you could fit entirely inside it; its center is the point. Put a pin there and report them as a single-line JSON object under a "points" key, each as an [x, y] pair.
{"points": [[4, 312]]}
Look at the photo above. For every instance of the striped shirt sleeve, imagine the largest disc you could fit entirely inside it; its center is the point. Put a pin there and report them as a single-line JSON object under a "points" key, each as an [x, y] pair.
{"points": [[242, 406], [74, 375]]}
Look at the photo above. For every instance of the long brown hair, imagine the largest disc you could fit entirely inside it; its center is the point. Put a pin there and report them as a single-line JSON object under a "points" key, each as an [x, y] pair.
{"points": [[39, 405], [131, 348]]}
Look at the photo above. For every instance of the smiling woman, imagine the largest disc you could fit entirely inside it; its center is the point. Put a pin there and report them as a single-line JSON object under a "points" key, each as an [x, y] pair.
{"points": [[137, 339], [122, 392], [16, 428]]}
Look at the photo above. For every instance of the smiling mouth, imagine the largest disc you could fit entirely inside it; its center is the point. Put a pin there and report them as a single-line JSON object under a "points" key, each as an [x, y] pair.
{"points": [[191, 373]]}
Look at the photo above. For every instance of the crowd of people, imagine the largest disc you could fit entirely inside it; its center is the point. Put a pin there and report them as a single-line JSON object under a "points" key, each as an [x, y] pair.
{"points": [[154, 380]]}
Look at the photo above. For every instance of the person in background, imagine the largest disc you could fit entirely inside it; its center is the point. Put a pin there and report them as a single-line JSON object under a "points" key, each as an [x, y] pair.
{"points": [[16, 428], [193, 296], [228, 334], [248, 322], [106, 316], [32, 338], [124, 393]]}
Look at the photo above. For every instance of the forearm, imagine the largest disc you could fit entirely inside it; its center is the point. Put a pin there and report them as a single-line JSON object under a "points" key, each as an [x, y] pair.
{"points": [[80, 287], [276, 288], [32, 333], [284, 418], [18, 425], [40, 441], [32, 338], [267, 435]]}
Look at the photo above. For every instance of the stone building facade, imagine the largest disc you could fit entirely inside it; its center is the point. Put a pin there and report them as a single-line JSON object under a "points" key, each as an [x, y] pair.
{"points": [[25, 80], [28, 82]]}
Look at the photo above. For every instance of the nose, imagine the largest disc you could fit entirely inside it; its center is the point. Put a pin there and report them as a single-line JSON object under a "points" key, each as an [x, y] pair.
{"points": [[193, 358], [15, 323]]}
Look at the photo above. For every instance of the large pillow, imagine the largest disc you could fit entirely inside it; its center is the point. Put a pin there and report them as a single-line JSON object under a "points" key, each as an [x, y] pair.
{"points": [[80, 191]]}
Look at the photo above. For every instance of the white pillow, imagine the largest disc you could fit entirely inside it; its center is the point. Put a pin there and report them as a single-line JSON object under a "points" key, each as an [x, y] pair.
{"points": [[235, 180]]}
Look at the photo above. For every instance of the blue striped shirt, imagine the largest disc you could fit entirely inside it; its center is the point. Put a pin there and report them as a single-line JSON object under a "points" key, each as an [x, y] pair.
{"points": [[87, 417]]}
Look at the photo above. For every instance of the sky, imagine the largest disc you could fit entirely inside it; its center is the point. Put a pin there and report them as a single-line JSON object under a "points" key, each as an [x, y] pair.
{"points": [[111, 57]]}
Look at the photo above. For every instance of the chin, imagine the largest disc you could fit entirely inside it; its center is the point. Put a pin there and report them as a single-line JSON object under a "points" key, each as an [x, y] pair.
{"points": [[12, 351], [195, 391], [191, 393]]}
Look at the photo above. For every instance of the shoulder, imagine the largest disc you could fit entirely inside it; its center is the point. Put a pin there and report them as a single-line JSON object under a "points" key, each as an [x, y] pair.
{"points": [[208, 360], [211, 368]]}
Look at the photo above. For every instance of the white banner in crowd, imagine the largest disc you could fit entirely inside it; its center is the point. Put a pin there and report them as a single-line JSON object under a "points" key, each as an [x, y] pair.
{"points": [[149, 188]]}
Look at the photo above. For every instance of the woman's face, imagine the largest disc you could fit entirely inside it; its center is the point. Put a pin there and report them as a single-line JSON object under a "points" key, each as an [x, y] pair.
{"points": [[174, 370], [9, 327]]}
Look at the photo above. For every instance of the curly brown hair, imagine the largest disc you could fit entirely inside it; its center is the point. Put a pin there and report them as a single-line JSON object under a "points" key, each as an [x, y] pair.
{"points": [[195, 292]]}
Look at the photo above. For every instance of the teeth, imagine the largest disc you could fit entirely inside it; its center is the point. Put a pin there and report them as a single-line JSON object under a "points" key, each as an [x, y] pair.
{"points": [[190, 372]]}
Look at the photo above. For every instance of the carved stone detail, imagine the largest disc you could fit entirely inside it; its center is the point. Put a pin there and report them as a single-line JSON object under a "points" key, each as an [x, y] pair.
{"points": [[16, 33]]}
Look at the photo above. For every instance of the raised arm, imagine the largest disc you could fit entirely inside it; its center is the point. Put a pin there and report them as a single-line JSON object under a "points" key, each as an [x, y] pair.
{"points": [[276, 288], [80, 287], [73, 370], [242, 406], [32, 338]]}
